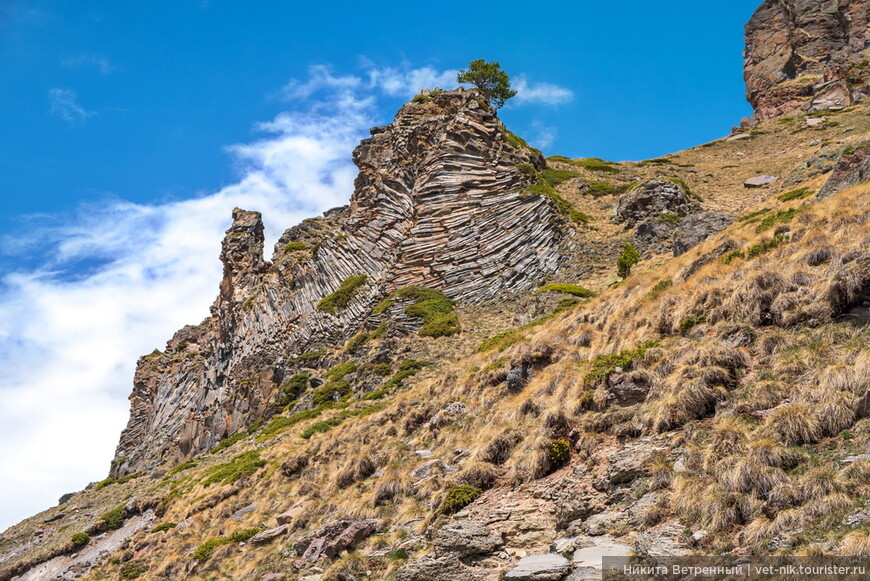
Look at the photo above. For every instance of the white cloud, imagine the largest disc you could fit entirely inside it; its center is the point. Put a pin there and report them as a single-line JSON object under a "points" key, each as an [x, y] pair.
{"points": [[320, 77], [96, 61], [408, 82], [68, 344], [542, 93], [64, 104], [544, 136]]}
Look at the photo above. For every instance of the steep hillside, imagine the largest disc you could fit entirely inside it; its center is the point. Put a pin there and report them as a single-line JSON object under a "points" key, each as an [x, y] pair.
{"points": [[448, 380]]}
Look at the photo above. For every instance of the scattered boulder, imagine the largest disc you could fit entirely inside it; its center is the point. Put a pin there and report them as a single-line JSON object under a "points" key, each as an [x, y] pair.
{"points": [[354, 534], [655, 234], [627, 389], [651, 200], [286, 518], [664, 540], [694, 229], [850, 171], [517, 378], [269, 534], [467, 538], [549, 567], [66, 498], [759, 181], [604, 522], [435, 566], [590, 551], [631, 462], [245, 510], [430, 468]]}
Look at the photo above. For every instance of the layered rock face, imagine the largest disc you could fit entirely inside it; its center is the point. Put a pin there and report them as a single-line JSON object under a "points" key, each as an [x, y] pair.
{"points": [[439, 202], [809, 54]]}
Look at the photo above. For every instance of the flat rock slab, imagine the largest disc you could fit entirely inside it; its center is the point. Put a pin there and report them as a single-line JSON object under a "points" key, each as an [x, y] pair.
{"points": [[759, 181], [591, 557], [550, 567], [739, 137], [269, 534]]}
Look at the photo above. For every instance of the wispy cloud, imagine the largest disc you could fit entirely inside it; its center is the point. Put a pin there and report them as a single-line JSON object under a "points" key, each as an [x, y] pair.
{"points": [[96, 61], [540, 93], [543, 137], [156, 269], [406, 81], [64, 103]]}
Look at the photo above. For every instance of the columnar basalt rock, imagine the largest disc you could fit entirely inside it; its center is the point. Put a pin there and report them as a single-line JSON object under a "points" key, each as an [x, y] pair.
{"points": [[808, 54], [439, 202]]}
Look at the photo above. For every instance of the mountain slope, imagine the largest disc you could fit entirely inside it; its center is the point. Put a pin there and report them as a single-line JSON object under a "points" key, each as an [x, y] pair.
{"points": [[423, 385]]}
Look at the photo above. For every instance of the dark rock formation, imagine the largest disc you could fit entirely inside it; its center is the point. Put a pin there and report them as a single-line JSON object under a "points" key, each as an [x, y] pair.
{"points": [[806, 54], [696, 228], [852, 170], [438, 202], [652, 199]]}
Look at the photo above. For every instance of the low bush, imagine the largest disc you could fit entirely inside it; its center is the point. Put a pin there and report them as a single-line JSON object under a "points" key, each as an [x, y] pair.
{"points": [[114, 519], [242, 465], [163, 527], [80, 539], [458, 498], [571, 289], [629, 257], [558, 453]]}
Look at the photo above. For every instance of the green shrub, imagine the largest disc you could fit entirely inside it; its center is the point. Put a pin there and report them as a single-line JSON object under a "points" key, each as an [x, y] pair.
{"points": [[458, 498], [320, 427], [563, 206], [629, 257], [797, 194], [331, 391], [183, 466], [594, 164], [80, 540], [553, 177], [295, 246], [571, 289], [753, 216], [114, 519], [164, 527], [730, 257], [690, 322], [281, 423], [311, 355], [765, 246], [206, 550], [132, 570], [228, 441], [669, 218], [381, 369], [397, 555], [382, 307], [422, 99], [339, 371], [291, 389], [780, 217], [407, 368], [526, 169], [242, 536], [660, 287], [356, 342], [376, 394], [601, 189], [558, 453], [433, 307], [343, 295], [242, 465], [604, 365]]}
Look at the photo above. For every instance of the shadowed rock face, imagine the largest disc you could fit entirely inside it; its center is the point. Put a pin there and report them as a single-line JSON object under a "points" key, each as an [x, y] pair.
{"points": [[807, 54], [438, 202]]}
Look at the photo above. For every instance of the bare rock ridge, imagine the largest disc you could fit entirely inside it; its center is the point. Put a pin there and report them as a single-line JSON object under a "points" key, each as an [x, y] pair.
{"points": [[807, 54], [439, 202]]}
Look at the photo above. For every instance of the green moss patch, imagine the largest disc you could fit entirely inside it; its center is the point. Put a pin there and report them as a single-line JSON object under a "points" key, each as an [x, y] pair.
{"points": [[343, 295], [240, 466], [571, 289]]}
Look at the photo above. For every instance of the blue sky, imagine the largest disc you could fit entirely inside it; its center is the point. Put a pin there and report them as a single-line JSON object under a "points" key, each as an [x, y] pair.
{"points": [[128, 131]]}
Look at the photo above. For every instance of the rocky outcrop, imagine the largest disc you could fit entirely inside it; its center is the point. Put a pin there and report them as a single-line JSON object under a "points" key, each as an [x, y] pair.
{"points": [[651, 200], [438, 202], [807, 54], [698, 227], [852, 169]]}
